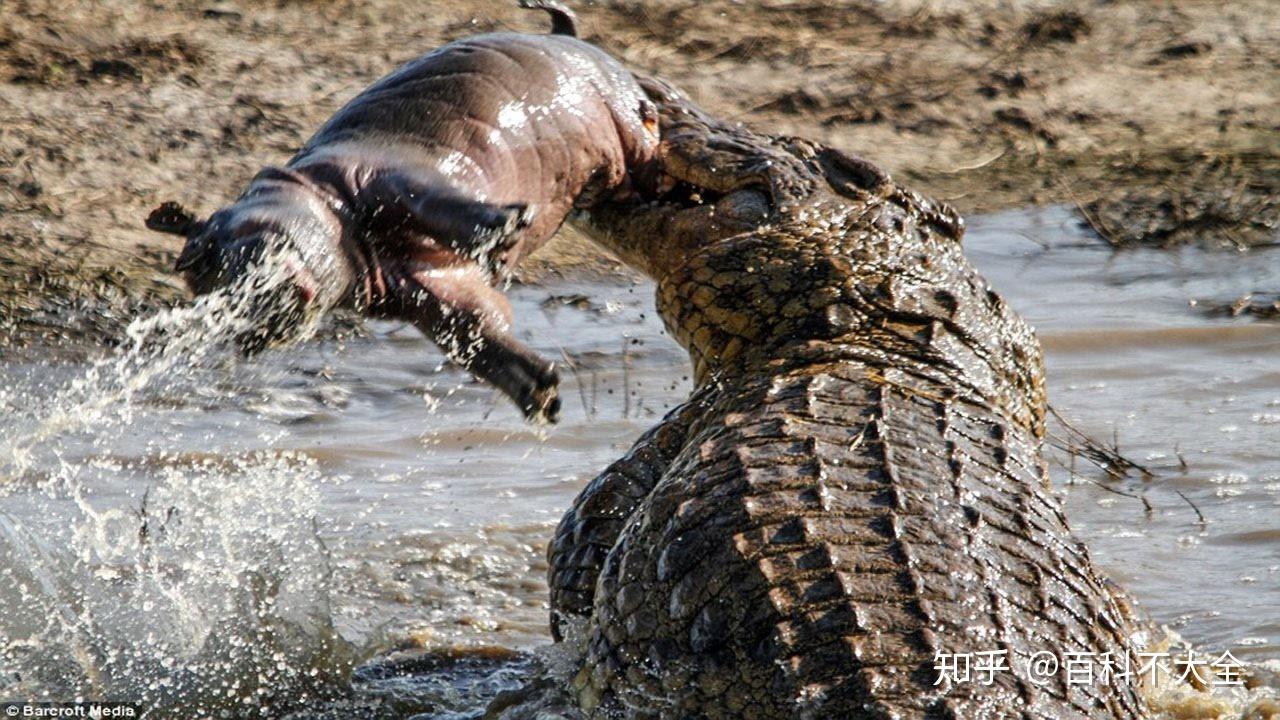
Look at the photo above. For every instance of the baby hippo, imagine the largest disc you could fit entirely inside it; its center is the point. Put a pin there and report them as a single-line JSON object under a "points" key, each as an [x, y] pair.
{"points": [[432, 184]]}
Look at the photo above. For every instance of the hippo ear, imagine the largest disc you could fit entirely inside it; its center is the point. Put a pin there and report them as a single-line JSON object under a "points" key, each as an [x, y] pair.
{"points": [[649, 116], [174, 219]]}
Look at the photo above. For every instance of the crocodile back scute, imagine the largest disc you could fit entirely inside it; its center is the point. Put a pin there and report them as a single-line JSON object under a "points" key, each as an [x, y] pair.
{"points": [[812, 551]]}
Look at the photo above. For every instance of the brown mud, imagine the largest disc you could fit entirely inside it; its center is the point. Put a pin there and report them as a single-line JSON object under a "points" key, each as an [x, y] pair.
{"points": [[1160, 120]]}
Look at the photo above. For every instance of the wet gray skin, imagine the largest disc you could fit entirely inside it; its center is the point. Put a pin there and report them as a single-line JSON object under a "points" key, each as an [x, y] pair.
{"points": [[855, 484], [429, 186]]}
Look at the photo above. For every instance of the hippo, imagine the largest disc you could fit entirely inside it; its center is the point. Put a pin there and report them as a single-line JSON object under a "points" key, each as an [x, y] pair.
{"points": [[429, 187]]}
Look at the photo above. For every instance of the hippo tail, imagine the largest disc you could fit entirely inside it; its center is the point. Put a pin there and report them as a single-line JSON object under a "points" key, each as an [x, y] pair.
{"points": [[563, 21]]}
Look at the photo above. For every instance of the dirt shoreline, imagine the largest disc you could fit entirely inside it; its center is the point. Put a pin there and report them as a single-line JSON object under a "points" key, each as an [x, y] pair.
{"points": [[1161, 120]]}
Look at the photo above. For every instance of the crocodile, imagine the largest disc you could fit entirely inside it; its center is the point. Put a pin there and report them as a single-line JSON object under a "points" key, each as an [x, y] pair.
{"points": [[852, 502]]}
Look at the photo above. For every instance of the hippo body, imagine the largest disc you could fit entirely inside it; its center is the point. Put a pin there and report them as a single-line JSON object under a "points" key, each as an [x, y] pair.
{"points": [[433, 183]]}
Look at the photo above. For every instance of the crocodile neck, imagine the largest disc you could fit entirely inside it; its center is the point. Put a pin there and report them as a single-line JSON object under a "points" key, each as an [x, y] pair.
{"points": [[840, 288]]}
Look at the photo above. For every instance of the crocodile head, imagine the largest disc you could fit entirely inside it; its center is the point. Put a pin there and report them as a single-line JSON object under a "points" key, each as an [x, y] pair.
{"points": [[700, 191], [738, 230], [774, 250]]}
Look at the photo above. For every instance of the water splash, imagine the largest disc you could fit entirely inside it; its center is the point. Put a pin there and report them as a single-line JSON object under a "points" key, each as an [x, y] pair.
{"points": [[213, 594], [198, 584], [160, 350]]}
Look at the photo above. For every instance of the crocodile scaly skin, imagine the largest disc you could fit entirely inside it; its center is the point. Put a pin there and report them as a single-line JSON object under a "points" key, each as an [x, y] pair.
{"points": [[855, 487]]}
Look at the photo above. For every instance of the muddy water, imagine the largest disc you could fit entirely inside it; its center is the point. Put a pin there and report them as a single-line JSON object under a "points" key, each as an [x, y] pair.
{"points": [[241, 534]]}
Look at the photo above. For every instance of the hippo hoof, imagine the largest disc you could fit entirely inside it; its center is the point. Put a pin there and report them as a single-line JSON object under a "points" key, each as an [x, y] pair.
{"points": [[540, 400]]}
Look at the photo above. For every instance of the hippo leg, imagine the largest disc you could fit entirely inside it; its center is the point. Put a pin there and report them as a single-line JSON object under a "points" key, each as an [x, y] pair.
{"points": [[475, 229], [470, 322]]}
